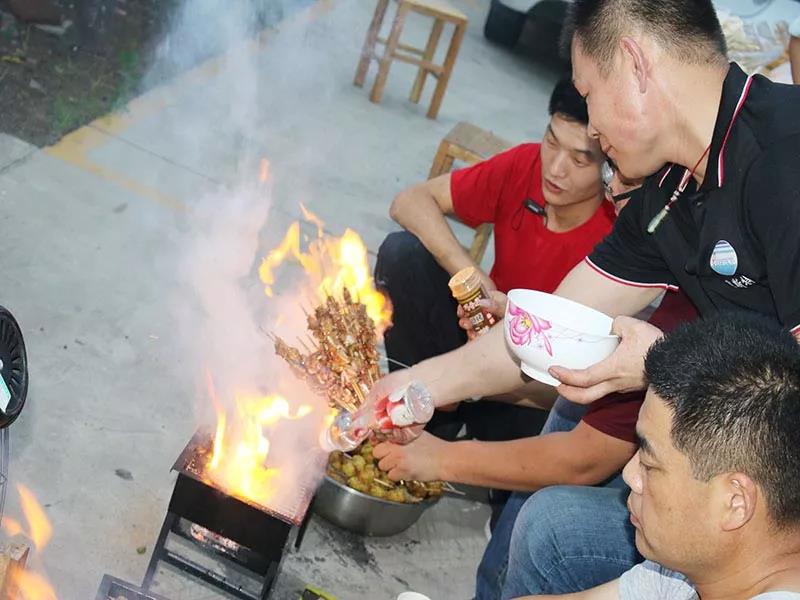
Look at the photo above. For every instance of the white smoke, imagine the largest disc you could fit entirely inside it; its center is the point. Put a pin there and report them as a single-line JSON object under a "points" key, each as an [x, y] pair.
{"points": [[223, 314]]}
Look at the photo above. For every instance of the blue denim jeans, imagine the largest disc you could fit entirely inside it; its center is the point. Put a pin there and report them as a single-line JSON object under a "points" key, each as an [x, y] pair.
{"points": [[568, 539], [564, 416]]}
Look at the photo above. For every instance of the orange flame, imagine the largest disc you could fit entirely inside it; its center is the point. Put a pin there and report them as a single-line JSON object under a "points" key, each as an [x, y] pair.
{"points": [[241, 446], [12, 527], [40, 529], [314, 220], [30, 585], [331, 264]]}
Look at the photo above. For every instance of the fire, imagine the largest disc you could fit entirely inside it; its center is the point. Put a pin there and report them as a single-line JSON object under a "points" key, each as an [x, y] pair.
{"points": [[30, 585], [241, 446], [331, 264], [240, 453]]}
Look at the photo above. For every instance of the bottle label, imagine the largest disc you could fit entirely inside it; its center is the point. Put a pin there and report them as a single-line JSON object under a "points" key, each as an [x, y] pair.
{"points": [[400, 414], [480, 318]]}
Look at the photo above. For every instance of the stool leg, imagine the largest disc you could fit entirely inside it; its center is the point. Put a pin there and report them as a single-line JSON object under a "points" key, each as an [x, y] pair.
{"points": [[442, 162], [430, 51], [368, 51], [388, 55], [449, 63]]}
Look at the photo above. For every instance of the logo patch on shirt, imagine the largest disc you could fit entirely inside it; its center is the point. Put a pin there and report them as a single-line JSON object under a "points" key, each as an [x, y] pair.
{"points": [[741, 282], [723, 259]]}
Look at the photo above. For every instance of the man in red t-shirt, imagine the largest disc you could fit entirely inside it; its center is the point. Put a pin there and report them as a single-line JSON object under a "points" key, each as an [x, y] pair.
{"points": [[546, 204]]}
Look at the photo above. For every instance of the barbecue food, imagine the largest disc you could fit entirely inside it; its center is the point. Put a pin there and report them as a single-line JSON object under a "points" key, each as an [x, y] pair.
{"points": [[342, 364], [360, 471], [342, 361]]}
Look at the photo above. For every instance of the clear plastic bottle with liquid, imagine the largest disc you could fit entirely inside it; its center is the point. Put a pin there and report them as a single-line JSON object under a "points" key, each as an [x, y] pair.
{"points": [[397, 418]]}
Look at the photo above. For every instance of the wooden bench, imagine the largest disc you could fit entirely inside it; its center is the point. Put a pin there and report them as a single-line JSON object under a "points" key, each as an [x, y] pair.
{"points": [[469, 144], [442, 13]]}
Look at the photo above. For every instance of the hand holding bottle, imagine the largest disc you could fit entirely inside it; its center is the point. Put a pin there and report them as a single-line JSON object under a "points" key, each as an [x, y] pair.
{"points": [[398, 417]]}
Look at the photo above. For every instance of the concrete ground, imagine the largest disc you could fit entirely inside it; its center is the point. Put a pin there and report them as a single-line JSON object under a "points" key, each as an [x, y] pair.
{"points": [[94, 230]]}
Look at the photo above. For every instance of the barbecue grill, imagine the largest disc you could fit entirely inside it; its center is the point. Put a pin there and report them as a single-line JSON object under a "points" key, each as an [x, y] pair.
{"points": [[238, 531]]}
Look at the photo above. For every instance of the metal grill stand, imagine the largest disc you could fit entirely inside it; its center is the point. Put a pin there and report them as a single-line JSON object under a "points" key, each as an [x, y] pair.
{"points": [[240, 533]]}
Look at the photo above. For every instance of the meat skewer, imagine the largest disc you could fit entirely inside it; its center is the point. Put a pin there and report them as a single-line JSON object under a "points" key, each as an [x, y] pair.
{"points": [[342, 362]]}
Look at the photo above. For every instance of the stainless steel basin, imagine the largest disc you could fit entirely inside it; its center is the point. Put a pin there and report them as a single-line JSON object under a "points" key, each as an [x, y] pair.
{"points": [[360, 513]]}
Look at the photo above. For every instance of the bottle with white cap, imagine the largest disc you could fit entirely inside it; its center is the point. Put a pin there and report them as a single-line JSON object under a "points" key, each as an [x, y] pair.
{"points": [[396, 418]]}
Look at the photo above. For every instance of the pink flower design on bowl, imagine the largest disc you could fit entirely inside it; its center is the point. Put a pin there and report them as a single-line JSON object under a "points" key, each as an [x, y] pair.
{"points": [[524, 328]]}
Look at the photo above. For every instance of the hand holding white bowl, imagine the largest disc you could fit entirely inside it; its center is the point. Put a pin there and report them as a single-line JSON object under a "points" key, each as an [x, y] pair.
{"points": [[623, 371]]}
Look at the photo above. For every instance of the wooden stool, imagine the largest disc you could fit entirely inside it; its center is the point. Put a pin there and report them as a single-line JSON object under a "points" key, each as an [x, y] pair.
{"points": [[470, 144], [442, 13]]}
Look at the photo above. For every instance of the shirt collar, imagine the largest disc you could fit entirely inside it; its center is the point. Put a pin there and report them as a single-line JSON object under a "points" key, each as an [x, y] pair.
{"points": [[734, 93]]}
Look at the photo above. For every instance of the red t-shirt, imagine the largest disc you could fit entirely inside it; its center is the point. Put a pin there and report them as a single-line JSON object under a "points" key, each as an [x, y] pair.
{"points": [[616, 414], [526, 253]]}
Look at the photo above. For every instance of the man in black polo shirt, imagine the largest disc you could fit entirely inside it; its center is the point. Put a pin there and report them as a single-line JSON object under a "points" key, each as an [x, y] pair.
{"points": [[719, 219]]}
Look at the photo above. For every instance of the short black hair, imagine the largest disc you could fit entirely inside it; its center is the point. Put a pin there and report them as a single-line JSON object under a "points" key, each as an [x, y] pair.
{"points": [[688, 29], [733, 384], [567, 102]]}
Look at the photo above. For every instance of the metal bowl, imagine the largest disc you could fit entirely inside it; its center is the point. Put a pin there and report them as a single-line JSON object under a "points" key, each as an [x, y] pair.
{"points": [[364, 514]]}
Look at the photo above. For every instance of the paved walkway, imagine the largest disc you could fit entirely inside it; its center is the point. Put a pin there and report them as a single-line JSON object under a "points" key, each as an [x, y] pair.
{"points": [[93, 249]]}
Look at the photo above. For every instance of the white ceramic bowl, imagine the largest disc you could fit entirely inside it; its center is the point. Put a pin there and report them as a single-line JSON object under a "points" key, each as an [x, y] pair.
{"points": [[543, 330]]}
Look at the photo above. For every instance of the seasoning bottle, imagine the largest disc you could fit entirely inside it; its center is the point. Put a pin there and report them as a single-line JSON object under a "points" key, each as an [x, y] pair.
{"points": [[467, 289], [396, 418]]}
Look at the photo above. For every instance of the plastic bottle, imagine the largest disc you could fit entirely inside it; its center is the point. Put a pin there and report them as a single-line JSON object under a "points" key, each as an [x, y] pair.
{"points": [[467, 289], [396, 418]]}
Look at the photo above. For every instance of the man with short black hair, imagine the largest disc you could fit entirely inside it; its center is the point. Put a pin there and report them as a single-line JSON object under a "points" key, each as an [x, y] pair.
{"points": [[715, 485]]}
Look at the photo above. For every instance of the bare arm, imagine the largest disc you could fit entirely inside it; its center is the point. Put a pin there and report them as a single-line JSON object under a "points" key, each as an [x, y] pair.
{"points": [[583, 456], [607, 591], [585, 285], [421, 209], [485, 367], [794, 58]]}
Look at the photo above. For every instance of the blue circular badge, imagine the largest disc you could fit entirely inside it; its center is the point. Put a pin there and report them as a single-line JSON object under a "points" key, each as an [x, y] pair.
{"points": [[723, 259]]}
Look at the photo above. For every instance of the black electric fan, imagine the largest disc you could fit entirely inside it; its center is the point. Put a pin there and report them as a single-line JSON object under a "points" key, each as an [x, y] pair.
{"points": [[13, 369]]}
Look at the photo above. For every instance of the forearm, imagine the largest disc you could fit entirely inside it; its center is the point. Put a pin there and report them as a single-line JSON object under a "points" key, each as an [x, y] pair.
{"points": [[607, 591], [583, 456], [794, 58], [585, 285], [417, 211], [483, 367]]}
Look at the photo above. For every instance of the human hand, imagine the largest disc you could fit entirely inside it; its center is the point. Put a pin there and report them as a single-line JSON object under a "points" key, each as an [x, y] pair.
{"points": [[623, 371], [389, 383], [495, 305], [420, 460], [398, 403]]}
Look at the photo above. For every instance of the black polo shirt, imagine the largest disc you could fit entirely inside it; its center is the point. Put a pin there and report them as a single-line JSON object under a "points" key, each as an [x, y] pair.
{"points": [[734, 243]]}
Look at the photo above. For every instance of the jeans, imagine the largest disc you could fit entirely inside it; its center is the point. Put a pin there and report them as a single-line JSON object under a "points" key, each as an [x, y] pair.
{"points": [[568, 539], [564, 416], [424, 325]]}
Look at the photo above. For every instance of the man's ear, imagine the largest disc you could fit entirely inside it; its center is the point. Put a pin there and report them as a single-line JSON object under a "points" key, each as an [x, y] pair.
{"points": [[738, 498], [636, 59]]}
